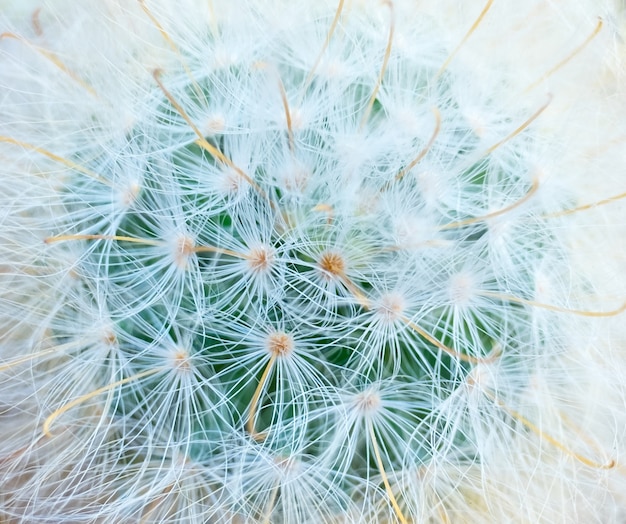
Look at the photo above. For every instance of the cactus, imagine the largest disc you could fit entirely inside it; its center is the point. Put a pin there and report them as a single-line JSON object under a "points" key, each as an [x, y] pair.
{"points": [[270, 263]]}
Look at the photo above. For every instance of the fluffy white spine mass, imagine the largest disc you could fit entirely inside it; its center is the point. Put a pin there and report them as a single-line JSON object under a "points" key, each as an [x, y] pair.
{"points": [[273, 262]]}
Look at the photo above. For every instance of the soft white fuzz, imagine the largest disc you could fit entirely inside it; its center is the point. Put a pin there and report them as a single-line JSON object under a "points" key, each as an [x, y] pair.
{"points": [[312, 261]]}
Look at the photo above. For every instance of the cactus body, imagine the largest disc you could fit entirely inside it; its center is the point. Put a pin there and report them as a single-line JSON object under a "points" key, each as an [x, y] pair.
{"points": [[268, 264]]}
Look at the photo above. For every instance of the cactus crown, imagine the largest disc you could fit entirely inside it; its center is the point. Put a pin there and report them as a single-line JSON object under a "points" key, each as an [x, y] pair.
{"points": [[307, 266]]}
